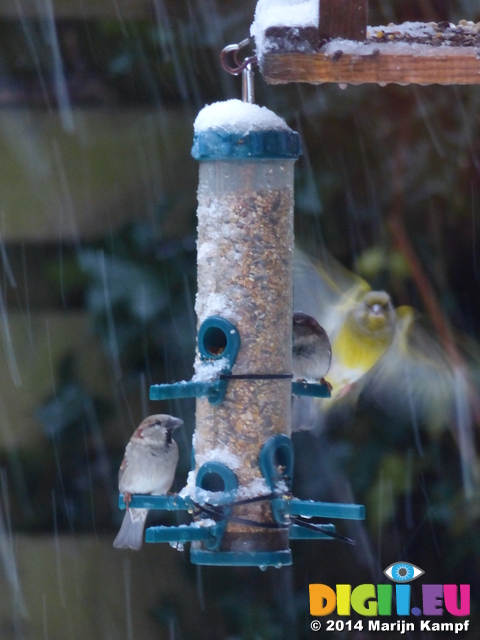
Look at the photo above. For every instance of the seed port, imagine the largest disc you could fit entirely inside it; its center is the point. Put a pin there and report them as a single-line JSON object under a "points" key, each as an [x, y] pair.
{"points": [[214, 341], [282, 458], [218, 338], [216, 477], [276, 460], [213, 482]]}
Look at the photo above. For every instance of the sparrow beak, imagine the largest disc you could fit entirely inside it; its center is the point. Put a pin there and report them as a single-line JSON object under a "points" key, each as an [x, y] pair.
{"points": [[173, 423]]}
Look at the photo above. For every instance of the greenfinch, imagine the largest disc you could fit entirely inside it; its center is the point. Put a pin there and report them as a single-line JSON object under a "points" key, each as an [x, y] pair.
{"points": [[377, 350]]}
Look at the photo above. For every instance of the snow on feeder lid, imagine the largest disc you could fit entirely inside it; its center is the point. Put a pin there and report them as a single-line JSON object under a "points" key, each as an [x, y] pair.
{"points": [[238, 130]]}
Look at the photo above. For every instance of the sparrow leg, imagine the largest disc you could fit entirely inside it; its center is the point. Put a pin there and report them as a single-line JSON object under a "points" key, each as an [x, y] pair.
{"points": [[127, 498], [326, 382]]}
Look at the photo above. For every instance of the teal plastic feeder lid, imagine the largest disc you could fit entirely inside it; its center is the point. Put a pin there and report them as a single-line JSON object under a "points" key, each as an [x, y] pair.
{"points": [[236, 130]]}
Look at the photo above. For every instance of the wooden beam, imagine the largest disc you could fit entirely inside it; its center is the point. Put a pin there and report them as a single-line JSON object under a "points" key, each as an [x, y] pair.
{"points": [[453, 65], [343, 19]]}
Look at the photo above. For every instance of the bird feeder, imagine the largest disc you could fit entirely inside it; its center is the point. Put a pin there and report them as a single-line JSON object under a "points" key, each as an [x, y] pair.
{"points": [[239, 489], [319, 41], [245, 249]]}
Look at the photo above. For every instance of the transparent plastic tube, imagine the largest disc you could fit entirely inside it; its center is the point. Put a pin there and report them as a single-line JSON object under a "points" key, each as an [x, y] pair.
{"points": [[245, 249]]}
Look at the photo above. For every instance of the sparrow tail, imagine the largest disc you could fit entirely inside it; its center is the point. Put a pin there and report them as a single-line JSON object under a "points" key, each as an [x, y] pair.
{"points": [[130, 535]]}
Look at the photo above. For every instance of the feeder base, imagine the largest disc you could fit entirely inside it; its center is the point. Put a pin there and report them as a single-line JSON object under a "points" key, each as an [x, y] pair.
{"points": [[242, 559]]}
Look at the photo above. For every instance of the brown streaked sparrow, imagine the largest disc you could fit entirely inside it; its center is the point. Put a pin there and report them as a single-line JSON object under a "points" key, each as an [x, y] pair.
{"points": [[148, 467], [311, 349]]}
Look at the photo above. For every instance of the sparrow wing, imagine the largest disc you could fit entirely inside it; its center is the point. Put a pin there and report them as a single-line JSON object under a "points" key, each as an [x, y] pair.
{"points": [[121, 471]]}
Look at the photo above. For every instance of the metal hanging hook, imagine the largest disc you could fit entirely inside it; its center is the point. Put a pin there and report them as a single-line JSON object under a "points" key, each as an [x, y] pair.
{"points": [[240, 65], [244, 67]]}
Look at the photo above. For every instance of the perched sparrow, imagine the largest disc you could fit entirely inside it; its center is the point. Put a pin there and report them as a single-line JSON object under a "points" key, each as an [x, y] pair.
{"points": [[311, 349], [148, 467]]}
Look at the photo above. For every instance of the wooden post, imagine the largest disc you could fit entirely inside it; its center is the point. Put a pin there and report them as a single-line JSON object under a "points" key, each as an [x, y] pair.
{"points": [[343, 19]]}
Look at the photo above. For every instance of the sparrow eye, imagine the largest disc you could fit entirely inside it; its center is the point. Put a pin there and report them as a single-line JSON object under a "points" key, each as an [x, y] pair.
{"points": [[403, 572]]}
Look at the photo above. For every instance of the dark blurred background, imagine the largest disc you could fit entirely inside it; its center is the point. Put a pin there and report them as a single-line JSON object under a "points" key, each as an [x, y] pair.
{"points": [[97, 228]]}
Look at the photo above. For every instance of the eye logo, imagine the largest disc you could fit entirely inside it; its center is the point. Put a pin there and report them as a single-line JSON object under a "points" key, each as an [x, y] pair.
{"points": [[403, 572]]}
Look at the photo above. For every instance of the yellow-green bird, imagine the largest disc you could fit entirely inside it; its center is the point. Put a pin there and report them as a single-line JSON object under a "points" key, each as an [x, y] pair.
{"points": [[375, 348], [360, 339]]}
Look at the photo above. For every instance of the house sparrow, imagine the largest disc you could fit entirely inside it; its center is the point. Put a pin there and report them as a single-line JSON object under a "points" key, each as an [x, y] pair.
{"points": [[311, 349], [148, 467]]}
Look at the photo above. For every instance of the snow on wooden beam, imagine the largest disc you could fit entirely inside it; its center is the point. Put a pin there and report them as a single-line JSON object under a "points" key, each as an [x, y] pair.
{"points": [[410, 53]]}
